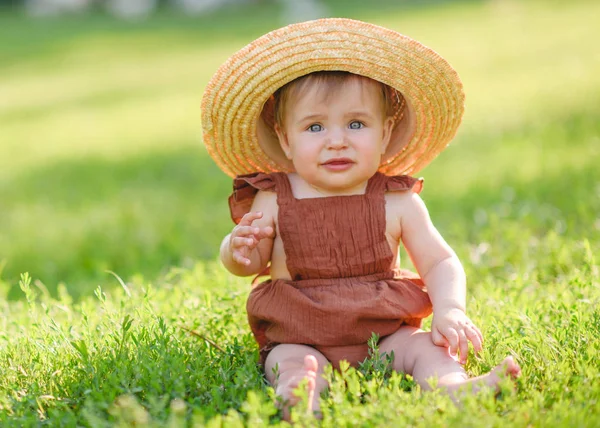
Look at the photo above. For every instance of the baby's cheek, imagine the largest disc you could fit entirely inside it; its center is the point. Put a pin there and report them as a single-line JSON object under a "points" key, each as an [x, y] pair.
{"points": [[304, 161]]}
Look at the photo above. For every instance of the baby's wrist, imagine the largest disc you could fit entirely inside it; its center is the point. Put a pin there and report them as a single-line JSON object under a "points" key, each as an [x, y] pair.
{"points": [[447, 307]]}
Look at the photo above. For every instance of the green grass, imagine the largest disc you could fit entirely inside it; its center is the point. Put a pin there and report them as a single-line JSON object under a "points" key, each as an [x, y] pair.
{"points": [[101, 169]]}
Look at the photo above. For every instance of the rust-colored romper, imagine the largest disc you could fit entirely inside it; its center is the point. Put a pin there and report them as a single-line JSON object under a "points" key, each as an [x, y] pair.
{"points": [[345, 283]]}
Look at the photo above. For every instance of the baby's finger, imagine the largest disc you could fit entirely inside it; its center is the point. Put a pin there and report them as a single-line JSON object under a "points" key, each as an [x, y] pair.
{"points": [[438, 339], [463, 344], [239, 258], [240, 241], [452, 338], [474, 335], [246, 231], [249, 217], [265, 232]]}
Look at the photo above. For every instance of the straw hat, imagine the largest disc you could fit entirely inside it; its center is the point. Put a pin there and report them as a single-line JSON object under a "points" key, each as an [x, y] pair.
{"points": [[238, 133]]}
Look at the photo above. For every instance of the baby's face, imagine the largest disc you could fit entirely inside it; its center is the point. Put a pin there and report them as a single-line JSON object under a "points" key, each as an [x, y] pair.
{"points": [[336, 142]]}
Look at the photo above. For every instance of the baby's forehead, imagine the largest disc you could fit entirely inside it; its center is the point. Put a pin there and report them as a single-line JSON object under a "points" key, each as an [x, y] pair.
{"points": [[325, 87], [324, 90]]}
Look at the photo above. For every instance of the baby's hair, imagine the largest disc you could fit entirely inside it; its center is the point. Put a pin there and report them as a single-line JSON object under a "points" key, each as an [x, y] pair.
{"points": [[392, 102]]}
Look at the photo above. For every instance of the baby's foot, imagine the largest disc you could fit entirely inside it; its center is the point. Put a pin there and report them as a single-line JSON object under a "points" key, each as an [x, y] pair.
{"points": [[286, 389], [508, 367]]}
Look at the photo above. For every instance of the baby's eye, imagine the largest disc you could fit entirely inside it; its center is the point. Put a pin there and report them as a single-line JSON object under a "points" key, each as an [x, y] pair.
{"points": [[356, 125], [315, 127]]}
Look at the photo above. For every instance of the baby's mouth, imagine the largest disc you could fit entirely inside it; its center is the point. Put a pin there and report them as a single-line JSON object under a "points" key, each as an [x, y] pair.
{"points": [[338, 161], [338, 164]]}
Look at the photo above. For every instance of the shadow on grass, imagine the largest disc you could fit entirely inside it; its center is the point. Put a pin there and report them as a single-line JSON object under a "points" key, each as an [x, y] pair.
{"points": [[71, 221]]}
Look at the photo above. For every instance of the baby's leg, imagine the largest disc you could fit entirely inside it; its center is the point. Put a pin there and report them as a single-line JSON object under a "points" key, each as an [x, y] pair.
{"points": [[417, 355], [287, 365]]}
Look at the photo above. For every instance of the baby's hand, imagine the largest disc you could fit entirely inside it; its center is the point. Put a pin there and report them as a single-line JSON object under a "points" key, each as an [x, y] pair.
{"points": [[245, 237], [452, 328]]}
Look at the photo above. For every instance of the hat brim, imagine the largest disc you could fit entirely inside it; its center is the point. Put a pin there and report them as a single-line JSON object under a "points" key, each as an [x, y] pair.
{"points": [[237, 138]]}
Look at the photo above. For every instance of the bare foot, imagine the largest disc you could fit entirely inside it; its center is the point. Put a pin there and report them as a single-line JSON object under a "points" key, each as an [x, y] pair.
{"points": [[286, 389], [507, 368]]}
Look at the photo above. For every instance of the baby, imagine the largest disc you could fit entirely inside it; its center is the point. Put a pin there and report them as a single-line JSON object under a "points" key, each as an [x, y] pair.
{"points": [[327, 227]]}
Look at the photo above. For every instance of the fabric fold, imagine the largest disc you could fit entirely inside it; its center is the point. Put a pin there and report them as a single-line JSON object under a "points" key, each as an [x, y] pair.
{"points": [[396, 183]]}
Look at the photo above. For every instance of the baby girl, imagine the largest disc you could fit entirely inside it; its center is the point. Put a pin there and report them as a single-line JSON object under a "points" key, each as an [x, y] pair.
{"points": [[320, 141]]}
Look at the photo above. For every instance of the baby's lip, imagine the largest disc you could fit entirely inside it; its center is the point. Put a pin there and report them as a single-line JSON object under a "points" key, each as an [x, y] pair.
{"points": [[338, 161]]}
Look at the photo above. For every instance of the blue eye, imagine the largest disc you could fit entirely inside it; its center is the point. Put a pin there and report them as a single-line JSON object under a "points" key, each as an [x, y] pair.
{"points": [[356, 125], [315, 128]]}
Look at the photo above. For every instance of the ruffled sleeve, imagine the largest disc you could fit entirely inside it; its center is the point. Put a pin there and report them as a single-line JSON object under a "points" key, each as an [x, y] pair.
{"points": [[396, 183], [245, 188]]}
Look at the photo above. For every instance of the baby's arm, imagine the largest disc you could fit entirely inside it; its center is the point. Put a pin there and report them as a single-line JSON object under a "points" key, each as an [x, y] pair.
{"points": [[247, 249], [443, 274]]}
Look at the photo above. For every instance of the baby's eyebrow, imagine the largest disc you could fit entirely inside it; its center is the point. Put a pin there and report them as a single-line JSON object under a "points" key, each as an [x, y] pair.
{"points": [[354, 114], [311, 117], [359, 113]]}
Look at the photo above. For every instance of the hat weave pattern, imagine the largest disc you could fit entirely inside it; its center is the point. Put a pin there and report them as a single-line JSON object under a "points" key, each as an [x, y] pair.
{"points": [[235, 96]]}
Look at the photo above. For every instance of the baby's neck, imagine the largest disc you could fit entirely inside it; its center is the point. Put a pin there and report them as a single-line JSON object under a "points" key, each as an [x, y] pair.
{"points": [[303, 189]]}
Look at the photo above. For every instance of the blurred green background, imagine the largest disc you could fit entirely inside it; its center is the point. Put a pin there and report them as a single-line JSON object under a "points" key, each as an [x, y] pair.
{"points": [[102, 165]]}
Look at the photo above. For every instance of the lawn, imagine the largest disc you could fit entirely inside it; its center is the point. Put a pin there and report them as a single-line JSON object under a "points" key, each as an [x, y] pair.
{"points": [[115, 310]]}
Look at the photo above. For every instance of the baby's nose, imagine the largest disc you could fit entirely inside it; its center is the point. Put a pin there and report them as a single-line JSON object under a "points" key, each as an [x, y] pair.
{"points": [[337, 138]]}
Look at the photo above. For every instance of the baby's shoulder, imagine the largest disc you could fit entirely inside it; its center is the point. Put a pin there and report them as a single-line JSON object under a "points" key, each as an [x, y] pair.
{"points": [[397, 202], [266, 198], [265, 201]]}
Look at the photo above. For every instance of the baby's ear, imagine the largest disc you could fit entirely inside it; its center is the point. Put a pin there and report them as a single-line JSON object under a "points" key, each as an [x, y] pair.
{"points": [[388, 126], [283, 141]]}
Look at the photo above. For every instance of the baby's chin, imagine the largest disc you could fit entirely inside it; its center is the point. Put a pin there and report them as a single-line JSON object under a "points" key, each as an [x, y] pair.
{"points": [[337, 182]]}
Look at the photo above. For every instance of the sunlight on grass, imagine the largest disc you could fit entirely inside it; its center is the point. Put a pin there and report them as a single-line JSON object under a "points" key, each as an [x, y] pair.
{"points": [[514, 61], [102, 169]]}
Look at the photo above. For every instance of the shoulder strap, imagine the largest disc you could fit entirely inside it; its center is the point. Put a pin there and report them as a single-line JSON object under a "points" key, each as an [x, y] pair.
{"points": [[376, 184], [284, 187]]}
